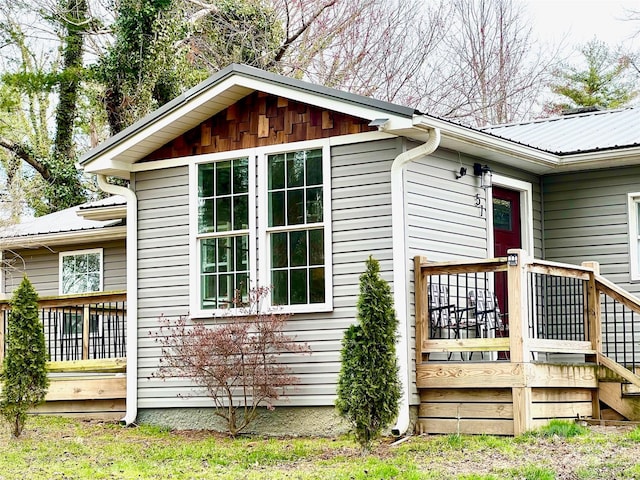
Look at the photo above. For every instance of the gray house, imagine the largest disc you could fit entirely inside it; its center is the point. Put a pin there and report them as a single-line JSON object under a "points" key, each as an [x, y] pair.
{"points": [[74, 251], [253, 179]]}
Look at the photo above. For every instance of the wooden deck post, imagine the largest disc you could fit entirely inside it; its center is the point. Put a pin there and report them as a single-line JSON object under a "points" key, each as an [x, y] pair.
{"points": [[518, 335], [594, 326], [421, 305]]}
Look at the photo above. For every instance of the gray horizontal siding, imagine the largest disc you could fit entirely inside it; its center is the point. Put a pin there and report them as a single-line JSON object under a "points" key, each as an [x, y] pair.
{"points": [[42, 267], [586, 219], [361, 216]]}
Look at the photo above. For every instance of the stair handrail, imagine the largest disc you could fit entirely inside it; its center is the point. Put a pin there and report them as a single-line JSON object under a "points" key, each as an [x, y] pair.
{"points": [[618, 369], [620, 294]]}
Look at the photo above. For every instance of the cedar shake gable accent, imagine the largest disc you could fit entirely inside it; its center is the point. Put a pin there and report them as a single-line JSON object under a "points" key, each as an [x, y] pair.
{"points": [[258, 120]]}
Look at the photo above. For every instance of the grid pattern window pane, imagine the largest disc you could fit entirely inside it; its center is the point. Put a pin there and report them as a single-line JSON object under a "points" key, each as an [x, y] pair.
{"points": [[223, 196], [224, 271], [223, 223], [295, 188], [295, 196], [297, 267], [81, 273]]}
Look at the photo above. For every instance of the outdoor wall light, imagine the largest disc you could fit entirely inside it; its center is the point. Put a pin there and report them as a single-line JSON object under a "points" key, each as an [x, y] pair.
{"points": [[512, 259], [484, 172]]}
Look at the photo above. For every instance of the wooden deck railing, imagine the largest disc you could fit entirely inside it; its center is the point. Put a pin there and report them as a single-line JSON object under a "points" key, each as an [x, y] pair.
{"points": [[548, 310], [79, 327]]}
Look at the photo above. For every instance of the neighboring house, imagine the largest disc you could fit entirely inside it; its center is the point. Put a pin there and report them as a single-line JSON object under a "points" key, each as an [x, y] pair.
{"points": [[251, 178], [77, 257], [76, 260], [74, 251]]}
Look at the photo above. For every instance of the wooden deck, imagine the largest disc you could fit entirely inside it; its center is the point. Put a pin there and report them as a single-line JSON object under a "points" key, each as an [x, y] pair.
{"points": [[542, 364], [89, 389], [85, 338]]}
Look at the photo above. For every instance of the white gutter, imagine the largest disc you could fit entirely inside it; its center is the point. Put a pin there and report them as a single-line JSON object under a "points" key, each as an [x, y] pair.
{"points": [[64, 238], [401, 270], [132, 294]]}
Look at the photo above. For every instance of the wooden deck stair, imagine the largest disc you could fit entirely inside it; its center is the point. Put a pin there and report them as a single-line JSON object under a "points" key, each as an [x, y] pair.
{"points": [[546, 373], [619, 388]]}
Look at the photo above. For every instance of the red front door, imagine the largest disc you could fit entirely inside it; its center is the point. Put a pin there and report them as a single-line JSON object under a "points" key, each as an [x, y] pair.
{"points": [[506, 235]]}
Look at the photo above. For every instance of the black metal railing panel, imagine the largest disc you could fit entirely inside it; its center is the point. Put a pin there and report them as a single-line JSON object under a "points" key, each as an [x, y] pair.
{"points": [[620, 327], [557, 307], [465, 305], [65, 330]]}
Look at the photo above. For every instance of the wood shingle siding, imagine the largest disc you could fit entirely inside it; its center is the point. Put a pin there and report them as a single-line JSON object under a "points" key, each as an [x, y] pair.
{"points": [[361, 201], [259, 120]]}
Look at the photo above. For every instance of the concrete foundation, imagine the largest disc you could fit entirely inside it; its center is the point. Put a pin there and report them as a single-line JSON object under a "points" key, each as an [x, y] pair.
{"points": [[283, 421]]}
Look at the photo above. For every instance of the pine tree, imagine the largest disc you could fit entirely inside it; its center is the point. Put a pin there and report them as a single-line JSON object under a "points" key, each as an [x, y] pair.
{"points": [[24, 372], [369, 385]]}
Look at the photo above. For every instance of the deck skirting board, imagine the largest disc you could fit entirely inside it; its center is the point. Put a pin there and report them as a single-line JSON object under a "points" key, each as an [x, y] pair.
{"points": [[456, 398]]}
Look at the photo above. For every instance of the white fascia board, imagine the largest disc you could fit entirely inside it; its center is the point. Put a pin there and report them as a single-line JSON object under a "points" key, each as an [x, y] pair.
{"points": [[65, 238], [603, 159], [110, 167], [163, 122], [465, 135], [104, 213]]}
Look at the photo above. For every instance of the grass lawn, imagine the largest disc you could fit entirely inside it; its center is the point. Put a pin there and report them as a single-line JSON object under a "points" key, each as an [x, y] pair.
{"points": [[56, 448]]}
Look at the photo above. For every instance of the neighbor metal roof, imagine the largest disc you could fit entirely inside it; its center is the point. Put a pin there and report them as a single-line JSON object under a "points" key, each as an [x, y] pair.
{"points": [[64, 221], [576, 133]]}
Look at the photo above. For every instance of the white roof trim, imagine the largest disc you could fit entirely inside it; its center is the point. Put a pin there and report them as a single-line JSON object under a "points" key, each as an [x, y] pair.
{"points": [[119, 159], [64, 238]]}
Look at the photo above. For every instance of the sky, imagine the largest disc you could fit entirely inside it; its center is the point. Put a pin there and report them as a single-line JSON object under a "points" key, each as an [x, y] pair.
{"points": [[581, 20]]}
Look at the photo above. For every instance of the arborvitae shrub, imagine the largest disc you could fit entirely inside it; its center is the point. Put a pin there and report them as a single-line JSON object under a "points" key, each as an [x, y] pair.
{"points": [[369, 386], [24, 369]]}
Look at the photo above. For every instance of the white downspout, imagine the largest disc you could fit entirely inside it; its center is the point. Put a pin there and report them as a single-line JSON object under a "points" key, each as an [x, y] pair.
{"points": [[401, 270], [132, 294]]}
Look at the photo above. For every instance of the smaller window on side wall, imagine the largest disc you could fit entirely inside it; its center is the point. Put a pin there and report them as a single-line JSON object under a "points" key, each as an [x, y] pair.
{"points": [[634, 235], [81, 271]]}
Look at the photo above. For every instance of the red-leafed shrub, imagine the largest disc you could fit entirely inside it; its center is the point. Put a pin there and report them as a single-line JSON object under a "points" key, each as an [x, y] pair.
{"points": [[235, 362]]}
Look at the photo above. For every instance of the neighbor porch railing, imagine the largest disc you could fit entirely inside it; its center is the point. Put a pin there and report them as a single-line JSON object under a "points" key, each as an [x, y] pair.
{"points": [[541, 311], [79, 327]]}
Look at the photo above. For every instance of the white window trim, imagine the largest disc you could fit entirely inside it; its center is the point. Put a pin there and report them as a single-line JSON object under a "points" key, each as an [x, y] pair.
{"points": [[194, 252], [259, 271], [633, 203], [264, 229], [80, 252], [526, 212]]}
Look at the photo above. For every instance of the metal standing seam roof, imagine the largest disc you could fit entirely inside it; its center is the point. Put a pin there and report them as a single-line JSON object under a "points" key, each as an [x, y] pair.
{"points": [[64, 221], [576, 133]]}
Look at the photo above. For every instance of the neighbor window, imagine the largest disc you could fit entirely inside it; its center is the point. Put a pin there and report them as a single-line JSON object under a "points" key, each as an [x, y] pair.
{"points": [[634, 235], [72, 324], [81, 271], [262, 220]]}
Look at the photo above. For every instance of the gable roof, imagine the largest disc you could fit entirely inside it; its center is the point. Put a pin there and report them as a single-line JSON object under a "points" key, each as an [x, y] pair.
{"points": [[539, 147], [220, 91], [576, 133], [65, 226]]}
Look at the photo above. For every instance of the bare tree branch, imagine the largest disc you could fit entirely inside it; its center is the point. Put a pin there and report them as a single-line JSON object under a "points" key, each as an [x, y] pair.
{"points": [[23, 152]]}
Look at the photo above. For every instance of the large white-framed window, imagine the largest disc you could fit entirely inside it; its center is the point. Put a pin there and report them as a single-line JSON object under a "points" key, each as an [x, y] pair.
{"points": [[277, 232], [633, 203], [81, 271], [223, 231]]}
